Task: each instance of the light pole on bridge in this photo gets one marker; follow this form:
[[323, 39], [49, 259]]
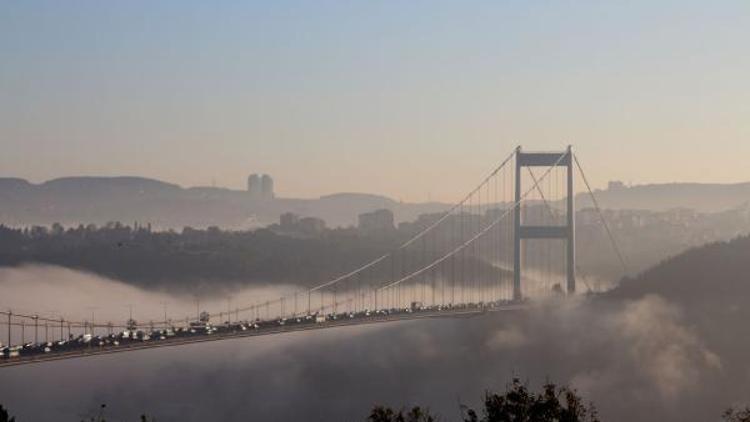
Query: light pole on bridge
[[164, 305], [229, 309], [36, 329], [10, 316]]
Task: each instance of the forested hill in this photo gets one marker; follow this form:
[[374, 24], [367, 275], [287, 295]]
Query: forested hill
[[709, 288], [715, 271], [172, 260], [210, 258]]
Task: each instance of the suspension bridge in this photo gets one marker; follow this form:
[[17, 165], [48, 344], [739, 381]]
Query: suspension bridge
[[508, 241]]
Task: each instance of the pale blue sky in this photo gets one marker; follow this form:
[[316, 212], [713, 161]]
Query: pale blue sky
[[398, 98]]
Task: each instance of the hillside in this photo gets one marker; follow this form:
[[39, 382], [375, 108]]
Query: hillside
[[710, 285], [98, 200], [211, 259], [703, 197], [717, 271]]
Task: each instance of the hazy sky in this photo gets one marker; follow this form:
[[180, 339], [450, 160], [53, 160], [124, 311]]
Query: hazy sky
[[400, 98]]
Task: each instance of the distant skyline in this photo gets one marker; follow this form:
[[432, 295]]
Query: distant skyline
[[405, 99]]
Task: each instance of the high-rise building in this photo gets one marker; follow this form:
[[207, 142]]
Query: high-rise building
[[260, 186], [253, 186], [266, 184]]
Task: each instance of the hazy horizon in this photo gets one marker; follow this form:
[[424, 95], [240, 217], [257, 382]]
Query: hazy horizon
[[324, 96], [579, 187]]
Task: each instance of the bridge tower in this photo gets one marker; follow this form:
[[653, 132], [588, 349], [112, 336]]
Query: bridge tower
[[566, 232]]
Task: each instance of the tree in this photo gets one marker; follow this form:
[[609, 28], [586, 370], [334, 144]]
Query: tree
[[4, 416], [518, 404], [731, 415], [386, 414]]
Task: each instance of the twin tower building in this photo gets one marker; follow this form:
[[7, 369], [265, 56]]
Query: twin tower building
[[260, 186]]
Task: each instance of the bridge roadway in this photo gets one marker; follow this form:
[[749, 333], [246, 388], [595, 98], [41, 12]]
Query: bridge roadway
[[179, 341]]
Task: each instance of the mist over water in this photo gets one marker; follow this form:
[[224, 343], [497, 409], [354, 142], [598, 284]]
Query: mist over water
[[636, 360], [55, 291]]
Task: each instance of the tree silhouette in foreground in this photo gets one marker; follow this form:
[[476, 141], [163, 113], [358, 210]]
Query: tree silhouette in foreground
[[101, 418], [731, 415], [4, 416], [516, 404], [519, 404], [386, 414]]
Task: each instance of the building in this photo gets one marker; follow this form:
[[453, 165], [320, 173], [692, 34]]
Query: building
[[376, 221], [288, 220], [291, 224], [266, 187], [311, 226], [253, 185], [260, 186]]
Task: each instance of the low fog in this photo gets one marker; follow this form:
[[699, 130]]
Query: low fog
[[636, 359], [54, 291]]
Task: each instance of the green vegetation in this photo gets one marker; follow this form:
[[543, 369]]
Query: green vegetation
[[519, 404], [168, 259], [516, 404], [196, 258]]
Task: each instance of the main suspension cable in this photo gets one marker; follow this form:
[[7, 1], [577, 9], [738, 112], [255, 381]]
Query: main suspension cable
[[601, 216]]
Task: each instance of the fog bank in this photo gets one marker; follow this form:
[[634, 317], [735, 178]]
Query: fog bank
[[637, 360]]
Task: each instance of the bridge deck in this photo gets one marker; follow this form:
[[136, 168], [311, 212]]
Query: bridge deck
[[179, 341]]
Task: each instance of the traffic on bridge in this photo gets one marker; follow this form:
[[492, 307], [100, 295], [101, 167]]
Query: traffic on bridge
[[134, 337]]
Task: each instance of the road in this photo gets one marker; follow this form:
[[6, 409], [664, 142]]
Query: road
[[179, 341]]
